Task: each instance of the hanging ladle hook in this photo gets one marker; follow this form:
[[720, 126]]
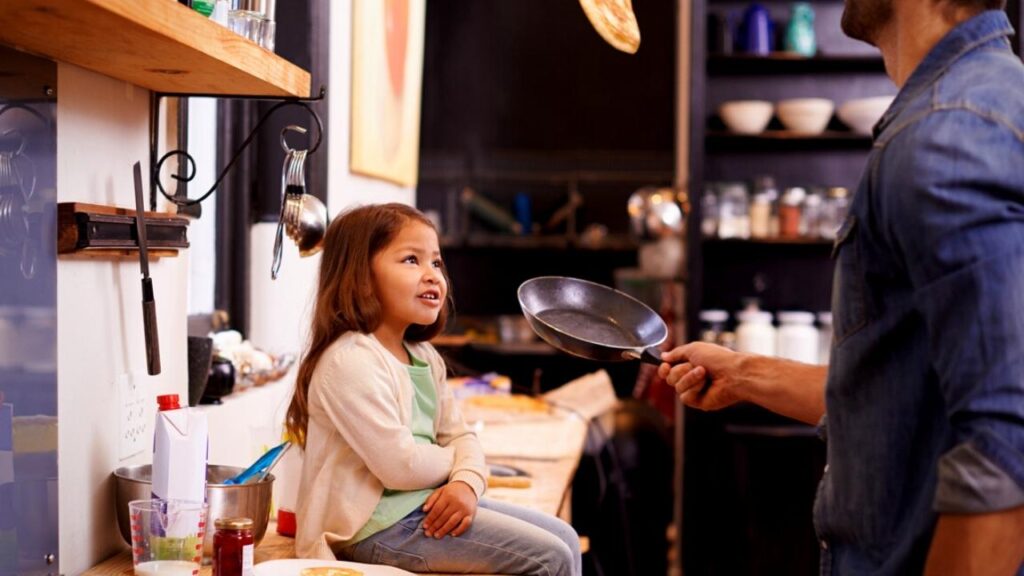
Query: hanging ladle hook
[[284, 132]]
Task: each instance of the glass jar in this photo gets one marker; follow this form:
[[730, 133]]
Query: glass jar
[[713, 325], [733, 211], [233, 547], [254, 20], [789, 212], [760, 215], [834, 211], [709, 213], [810, 213], [762, 207]]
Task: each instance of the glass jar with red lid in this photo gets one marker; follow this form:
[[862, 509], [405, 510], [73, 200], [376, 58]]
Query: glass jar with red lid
[[233, 547]]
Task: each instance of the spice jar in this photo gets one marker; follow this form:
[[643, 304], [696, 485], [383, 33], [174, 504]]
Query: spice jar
[[233, 547], [789, 212]]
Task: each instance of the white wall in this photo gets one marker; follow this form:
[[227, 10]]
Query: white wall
[[279, 314], [102, 129], [202, 144]]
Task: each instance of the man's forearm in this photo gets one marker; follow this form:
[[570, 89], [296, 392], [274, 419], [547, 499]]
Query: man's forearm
[[789, 388], [978, 544]]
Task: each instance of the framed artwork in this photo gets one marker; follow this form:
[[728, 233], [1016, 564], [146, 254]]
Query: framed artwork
[[387, 75]]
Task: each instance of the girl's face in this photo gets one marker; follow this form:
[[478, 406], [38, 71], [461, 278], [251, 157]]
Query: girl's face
[[408, 278]]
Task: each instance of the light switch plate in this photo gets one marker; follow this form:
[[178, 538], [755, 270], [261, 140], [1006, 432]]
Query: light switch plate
[[133, 400]]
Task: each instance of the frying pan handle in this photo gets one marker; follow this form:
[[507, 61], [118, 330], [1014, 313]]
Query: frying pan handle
[[647, 355]]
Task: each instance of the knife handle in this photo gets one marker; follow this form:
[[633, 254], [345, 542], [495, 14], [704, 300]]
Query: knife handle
[[149, 325]]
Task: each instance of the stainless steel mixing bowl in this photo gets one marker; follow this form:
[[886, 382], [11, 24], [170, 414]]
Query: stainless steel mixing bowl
[[249, 500]]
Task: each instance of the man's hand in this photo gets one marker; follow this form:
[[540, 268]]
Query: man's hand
[[709, 377], [450, 510], [705, 376]]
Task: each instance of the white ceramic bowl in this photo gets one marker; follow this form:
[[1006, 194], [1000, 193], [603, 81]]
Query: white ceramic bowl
[[862, 114], [805, 115], [746, 116]]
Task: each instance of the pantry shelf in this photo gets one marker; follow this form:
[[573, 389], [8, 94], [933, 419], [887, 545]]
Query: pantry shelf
[[157, 44]]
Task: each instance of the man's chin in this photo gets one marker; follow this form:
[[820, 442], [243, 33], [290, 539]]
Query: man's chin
[[854, 28]]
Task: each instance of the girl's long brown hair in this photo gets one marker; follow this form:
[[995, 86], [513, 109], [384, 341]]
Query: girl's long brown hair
[[346, 298]]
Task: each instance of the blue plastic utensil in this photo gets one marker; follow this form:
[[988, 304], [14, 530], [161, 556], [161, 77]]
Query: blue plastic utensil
[[259, 470]]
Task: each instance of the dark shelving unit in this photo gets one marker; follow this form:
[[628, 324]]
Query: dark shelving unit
[[783, 140], [783, 63], [750, 476]]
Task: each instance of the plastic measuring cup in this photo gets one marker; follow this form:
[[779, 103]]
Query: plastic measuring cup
[[167, 537]]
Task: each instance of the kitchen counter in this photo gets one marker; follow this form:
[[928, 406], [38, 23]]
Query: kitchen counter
[[519, 439]]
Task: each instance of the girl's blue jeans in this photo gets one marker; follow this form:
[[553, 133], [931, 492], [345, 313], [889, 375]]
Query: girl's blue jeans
[[503, 539]]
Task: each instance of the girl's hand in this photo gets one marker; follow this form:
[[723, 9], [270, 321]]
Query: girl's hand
[[450, 510]]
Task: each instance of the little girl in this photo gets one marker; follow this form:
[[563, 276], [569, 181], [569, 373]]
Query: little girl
[[390, 467]]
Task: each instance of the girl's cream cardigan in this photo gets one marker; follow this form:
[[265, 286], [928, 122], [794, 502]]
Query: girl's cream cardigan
[[359, 441]]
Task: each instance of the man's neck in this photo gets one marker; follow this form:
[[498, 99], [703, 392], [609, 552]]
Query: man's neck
[[916, 27]]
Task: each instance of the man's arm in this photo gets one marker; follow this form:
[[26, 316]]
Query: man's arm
[[709, 377], [978, 544], [953, 214]]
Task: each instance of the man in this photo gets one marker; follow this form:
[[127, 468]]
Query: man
[[923, 408]]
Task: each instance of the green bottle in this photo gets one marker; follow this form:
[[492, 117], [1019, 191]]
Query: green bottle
[[800, 31], [204, 7]]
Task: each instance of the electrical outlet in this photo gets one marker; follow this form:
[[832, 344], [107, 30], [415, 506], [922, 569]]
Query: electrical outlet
[[134, 403]]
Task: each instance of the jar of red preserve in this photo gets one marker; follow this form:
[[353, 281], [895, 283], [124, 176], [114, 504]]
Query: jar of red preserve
[[233, 547]]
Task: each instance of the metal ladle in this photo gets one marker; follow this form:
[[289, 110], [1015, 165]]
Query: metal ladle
[[303, 216]]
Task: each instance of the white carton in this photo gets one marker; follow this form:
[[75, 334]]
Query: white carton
[[180, 449]]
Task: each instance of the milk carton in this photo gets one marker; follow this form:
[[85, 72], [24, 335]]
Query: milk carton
[[180, 448]]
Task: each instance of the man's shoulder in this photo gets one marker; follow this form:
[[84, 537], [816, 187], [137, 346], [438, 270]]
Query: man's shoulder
[[986, 83]]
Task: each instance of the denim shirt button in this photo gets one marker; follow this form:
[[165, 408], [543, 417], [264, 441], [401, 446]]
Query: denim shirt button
[[824, 544]]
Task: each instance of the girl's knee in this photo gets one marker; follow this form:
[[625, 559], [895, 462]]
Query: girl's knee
[[561, 559]]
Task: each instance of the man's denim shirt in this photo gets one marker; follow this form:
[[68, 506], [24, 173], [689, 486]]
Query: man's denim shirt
[[925, 394]]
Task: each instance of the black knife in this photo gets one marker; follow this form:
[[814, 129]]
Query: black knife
[[148, 302]]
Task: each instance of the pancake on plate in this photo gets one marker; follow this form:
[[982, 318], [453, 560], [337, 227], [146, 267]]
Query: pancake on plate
[[330, 571]]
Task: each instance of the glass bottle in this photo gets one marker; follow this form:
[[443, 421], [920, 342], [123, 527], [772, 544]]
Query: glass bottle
[[789, 212], [734, 211], [810, 215], [233, 545], [837, 205], [709, 212], [713, 325]]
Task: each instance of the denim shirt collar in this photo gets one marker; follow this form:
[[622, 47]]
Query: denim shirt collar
[[989, 26]]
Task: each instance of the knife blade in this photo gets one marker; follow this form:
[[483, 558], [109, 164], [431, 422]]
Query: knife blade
[[148, 299]]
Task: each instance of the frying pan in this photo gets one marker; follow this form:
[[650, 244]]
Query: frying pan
[[591, 320]]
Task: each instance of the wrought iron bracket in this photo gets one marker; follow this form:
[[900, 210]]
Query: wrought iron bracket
[[156, 162]]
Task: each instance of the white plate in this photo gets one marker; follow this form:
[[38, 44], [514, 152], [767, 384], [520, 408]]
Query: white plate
[[293, 567]]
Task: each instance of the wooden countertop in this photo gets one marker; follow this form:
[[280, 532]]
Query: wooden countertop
[[551, 477]]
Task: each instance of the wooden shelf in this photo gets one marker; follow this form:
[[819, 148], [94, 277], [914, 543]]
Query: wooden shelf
[[784, 140], [157, 44], [783, 63]]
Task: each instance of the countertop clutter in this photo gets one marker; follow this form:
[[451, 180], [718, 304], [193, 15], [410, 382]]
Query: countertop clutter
[[516, 432]]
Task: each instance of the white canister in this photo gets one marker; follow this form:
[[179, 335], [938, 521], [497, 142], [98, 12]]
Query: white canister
[[798, 338], [755, 333], [824, 337]]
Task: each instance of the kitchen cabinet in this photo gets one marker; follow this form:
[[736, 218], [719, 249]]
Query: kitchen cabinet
[[750, 476]]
